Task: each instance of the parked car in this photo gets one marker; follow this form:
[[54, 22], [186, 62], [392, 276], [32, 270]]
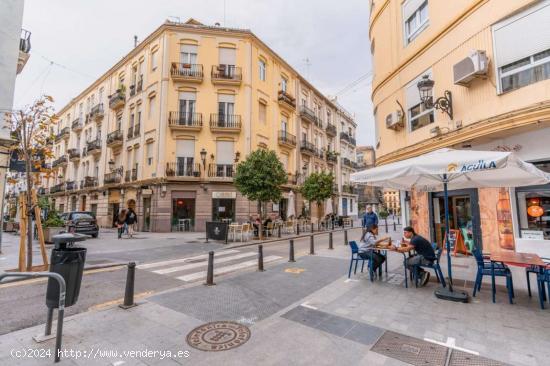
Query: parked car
[[81, 222]]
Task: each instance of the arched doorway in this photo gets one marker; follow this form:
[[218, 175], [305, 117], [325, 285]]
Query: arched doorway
[[73, 203]]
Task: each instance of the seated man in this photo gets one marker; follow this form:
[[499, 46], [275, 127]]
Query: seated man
[[367, 244], [425, 254]]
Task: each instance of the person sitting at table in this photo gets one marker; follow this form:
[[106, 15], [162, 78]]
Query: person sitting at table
[[367, 244], [256, 225], [425, 254]]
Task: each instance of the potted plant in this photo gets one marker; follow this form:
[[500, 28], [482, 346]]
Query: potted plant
[[53, 225]]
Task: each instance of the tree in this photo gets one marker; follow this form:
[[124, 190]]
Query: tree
[[259, 178], [318, 188], [32, 128]]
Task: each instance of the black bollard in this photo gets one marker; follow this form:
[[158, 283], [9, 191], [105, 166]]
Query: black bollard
[[291, 251], [330, 240], [311, 245], [394, 226], [386, 225], [210, 270], [345, 237], [312, 227], [260, 258], [351, 222], [332, 224], [298, 229], [279, 231], [398, 221], [129, 292]]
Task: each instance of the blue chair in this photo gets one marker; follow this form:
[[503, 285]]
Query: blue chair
[[356, 258], [543, 278], [435, 266], [536, 270], [484, 269]]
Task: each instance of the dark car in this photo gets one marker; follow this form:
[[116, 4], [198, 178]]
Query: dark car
[[81, 222]]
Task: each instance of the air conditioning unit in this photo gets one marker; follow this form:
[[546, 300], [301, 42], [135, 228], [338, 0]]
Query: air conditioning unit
[[394, 121], [475, 65]]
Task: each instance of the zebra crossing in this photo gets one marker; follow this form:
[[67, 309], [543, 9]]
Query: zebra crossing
[[190, 269]]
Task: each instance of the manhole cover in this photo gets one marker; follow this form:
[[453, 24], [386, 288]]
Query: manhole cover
[[410, 350], [459, 358], [218, 336]]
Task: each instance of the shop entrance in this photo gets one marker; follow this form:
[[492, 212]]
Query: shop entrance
[[115, 207], [183, 214], [223, 209], [283, 207], [146, 214], [83, 204], [463, 216]]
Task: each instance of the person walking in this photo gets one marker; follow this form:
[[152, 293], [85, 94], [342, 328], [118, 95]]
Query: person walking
[[131, 220], [370, 218], [121, 222]]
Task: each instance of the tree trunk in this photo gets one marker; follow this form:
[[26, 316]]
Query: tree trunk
[[261, 226], [29, 216]]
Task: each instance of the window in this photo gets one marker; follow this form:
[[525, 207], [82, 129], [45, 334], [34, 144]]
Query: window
[[261, 65], [284, 124], [417, 114], [186, 108], [262, 115], [415, 16], [522, 48], [154, 61], [119, 121], [188, 54], [152, 107], [284, 84], [226, 108], [185, 154], [149, 148], [225, 153]]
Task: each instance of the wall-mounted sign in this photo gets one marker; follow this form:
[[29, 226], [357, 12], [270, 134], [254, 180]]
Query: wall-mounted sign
[[532, 234], [146, 192], [224, 195]]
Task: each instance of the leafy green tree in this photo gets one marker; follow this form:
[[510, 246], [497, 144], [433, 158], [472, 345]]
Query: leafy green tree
[[318, 188], [259, 178]]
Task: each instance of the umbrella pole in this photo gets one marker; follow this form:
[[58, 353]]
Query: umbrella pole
[[447, 293]]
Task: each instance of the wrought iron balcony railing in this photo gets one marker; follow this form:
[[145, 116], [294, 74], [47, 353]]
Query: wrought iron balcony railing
[[331, 129], [307, 147], [115, 138], [186, 71], [221, 170], [226, 73], [284, 97], [113, 177], [286, 138], [180, 169], [225, 121], [185, 119]]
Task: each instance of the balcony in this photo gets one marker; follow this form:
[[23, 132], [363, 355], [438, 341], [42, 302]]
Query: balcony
[[347, 162], [308, 148], [286, 139], [139, 86], [291, 179], [286, 100], [179, 169], [347, 188], [223, 171], [331, 129], [225, 123], [24, 49], [93, 147], [344, 136], [74, 154], [130, 175], [97, 113], [57, 188], [133, 131], [114, 177], [137, 129], [187, 72], [332, 157], [61, 161], [184, 121], [42, 191], [71, 185], [352, 141], [77, 125], [115, 139], [226, 75], [88, 182], [64, 134], [117, 100]]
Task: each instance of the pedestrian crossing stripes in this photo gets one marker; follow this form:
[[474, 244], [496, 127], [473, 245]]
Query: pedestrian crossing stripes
[[189, 269]]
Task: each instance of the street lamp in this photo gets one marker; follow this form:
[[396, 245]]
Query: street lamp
[[237, 157], [203, 158], [445, 103]]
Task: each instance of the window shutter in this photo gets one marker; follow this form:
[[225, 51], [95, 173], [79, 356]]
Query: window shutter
[[412, 95], [185, 148], [226, 98], [187, 96], [224, 152], [522, 35], [410, 7], [188, 48], [227, 56]]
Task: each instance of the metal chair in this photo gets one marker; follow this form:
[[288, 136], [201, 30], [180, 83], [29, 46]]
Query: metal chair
[[356, 258], [536, 270], [484, 269], [543, 277], [435, 266]]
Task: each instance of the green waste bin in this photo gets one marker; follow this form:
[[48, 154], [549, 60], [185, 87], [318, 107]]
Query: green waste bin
[[68, 261]]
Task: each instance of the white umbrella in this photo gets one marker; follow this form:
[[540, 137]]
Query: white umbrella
[[445, 169], [290, 210], [328, 206]]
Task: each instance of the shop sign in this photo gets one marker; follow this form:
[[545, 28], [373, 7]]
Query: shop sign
[[532, 234], [146, 192], [224, 195]]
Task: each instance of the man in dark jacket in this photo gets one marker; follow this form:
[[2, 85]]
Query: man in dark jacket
[[369, 218]]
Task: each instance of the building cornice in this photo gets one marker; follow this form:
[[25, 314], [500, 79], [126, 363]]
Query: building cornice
[[374, 18], [519, 118]]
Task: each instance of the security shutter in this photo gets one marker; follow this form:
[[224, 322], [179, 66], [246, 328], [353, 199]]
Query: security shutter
[[227, 56], [226, 98], [522, 35], [185, 148], [224, 152], [188, 48], [187, 96], [409, 7]]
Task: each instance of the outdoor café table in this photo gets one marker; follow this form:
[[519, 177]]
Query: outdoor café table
[[513, 259], [233, 230], [403, 250]]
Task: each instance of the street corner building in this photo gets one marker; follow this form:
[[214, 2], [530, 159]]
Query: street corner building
[[466, 75], [163, 130]]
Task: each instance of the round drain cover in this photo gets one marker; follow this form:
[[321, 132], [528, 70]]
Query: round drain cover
[[218, 336]]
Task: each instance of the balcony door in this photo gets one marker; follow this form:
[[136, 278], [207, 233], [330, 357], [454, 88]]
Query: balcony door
[[188, 59], [226, 109], [225, 154], [284, 125], [186, 108], [228, 57], [185, 152]]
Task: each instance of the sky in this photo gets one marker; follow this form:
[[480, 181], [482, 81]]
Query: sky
[[76, 41]]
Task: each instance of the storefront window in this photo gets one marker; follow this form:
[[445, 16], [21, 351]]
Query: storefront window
[[534, 208], [183, 213], [223, 209]]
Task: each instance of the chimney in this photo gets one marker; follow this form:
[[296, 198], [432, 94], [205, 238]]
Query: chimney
[[135, 41]]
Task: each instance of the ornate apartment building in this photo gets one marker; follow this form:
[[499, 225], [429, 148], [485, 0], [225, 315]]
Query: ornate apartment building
[[472, 74], [163, 130]]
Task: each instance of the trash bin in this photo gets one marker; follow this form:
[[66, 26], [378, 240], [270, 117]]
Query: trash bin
[[68, 261]]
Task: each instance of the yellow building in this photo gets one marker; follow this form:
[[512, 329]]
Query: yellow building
[[163, 129], [392, 201], [489, 60]]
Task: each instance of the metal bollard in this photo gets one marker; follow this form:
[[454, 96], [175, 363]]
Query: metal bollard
[[330, 240], [386, 225], [311, 245], [345, 237], [398, 221], [394, 226], [332, 224], [291, 251], [260, 258], [297, 229], [129, 293], [312, 227], [210, 270], [279, 231], [351, 222]]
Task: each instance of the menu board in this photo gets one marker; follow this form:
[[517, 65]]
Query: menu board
[[532, 234]]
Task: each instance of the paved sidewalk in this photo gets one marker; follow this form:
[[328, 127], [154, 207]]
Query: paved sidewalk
[[308, 312]]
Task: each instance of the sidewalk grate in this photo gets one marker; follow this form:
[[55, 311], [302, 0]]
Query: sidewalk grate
[[410, 350], [459, 358]]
